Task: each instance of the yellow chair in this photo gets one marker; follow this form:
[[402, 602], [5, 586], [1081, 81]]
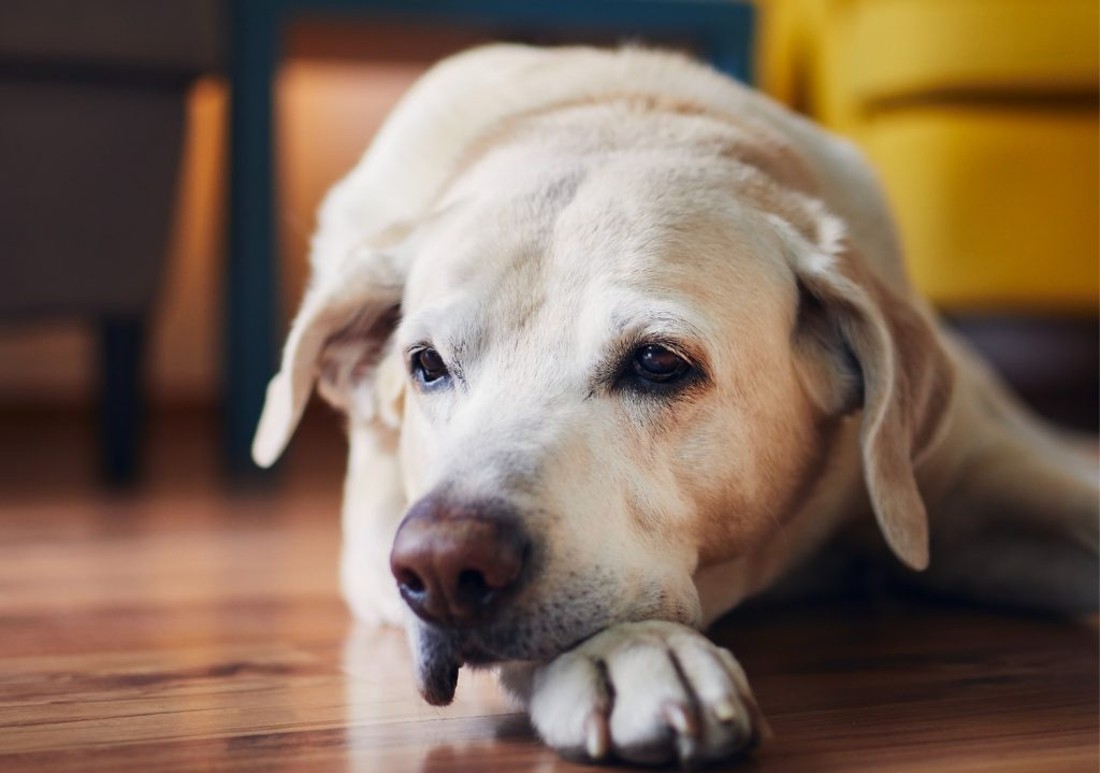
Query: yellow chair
[[981, 117]]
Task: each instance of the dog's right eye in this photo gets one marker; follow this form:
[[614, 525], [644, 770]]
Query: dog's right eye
[[428, 365]]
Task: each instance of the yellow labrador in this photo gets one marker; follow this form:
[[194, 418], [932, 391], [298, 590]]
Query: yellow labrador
[[622, 343]]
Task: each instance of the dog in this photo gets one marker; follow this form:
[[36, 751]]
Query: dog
[[622, 343]]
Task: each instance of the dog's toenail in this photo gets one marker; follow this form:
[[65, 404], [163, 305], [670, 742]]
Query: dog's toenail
[[596, 736]]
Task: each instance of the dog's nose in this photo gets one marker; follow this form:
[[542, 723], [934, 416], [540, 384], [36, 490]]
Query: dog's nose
[[457, 564]]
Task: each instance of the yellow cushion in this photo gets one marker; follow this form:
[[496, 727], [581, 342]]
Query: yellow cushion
[[913, 49], [997, 206], [981, 116]]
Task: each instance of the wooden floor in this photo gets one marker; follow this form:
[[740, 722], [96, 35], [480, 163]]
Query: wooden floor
[[187, 628]]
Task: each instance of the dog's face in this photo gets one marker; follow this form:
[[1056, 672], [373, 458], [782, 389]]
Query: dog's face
[[609, 372], [604, 356]]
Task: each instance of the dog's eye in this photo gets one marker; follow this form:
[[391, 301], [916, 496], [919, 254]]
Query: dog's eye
[[657, 364], [428, 365]]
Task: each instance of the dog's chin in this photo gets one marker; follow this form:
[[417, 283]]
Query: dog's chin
[[437, 664], [440, 653]]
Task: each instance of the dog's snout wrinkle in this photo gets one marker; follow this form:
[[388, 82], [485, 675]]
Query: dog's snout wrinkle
[[456, 565]]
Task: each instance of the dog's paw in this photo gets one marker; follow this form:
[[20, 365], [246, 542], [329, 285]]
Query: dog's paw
[[651, 693]]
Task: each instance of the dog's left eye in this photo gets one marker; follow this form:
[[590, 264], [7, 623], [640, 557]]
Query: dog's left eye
[[428, 365], [659, 365]]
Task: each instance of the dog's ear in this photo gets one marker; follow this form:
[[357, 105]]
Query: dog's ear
[[875, 349], [339, 335]]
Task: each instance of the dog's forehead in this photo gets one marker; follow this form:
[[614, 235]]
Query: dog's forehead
[[638, 217], [570, 256]]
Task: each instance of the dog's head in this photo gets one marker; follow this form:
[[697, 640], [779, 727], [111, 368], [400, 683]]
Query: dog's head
[[608, 370]]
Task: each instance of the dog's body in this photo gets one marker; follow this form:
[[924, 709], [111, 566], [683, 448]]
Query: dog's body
[[648, 336]]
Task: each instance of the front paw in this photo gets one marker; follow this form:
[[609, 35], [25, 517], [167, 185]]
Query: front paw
[[651, 693]]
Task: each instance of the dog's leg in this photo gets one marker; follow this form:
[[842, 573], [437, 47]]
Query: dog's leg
[[651, 692], [374, 502], [1019, 521]]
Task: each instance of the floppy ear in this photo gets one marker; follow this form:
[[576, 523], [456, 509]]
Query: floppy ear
[[338, 336], [880, 352]]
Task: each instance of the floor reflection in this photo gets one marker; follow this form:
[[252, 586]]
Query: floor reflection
[[389, 727]]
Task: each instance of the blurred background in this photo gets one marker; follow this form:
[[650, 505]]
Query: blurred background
[[981, 115]]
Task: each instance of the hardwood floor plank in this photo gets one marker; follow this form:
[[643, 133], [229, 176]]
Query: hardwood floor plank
[[188, 628]]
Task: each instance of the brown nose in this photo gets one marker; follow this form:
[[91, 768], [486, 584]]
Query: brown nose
[[455, 564]]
